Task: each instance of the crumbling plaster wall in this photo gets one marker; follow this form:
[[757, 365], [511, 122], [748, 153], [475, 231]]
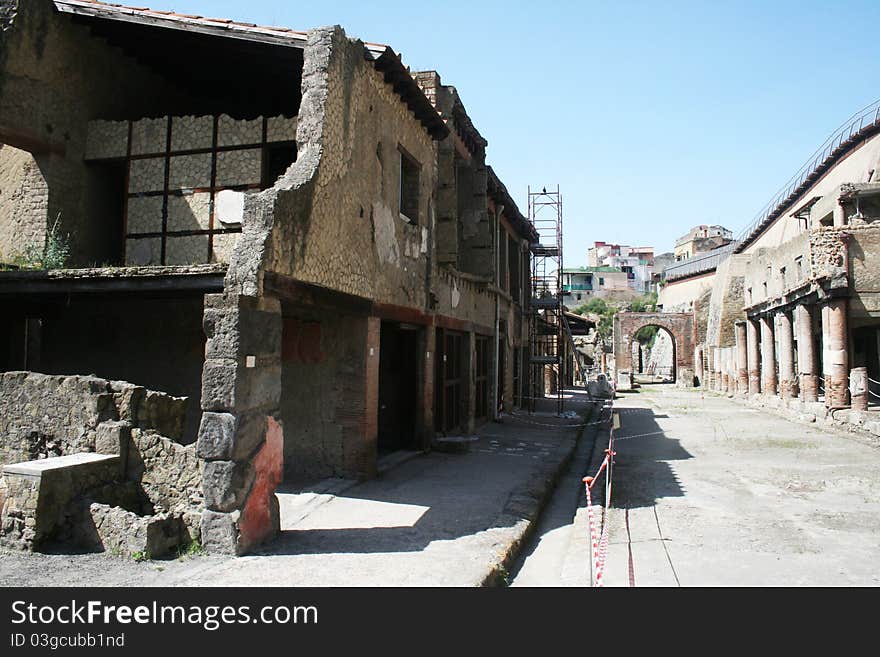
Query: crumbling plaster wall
[[54, 78], [337, 222]]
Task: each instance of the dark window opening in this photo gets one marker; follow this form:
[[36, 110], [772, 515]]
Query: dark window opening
[[277, 159], [409, 187]]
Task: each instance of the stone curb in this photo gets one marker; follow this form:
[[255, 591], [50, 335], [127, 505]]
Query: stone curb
[[526, 502]]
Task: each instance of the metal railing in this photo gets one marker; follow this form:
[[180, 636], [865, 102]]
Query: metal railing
[[864, 118], [698, 264]]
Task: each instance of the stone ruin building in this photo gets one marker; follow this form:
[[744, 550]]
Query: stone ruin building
[[287, 256], [788, 314]]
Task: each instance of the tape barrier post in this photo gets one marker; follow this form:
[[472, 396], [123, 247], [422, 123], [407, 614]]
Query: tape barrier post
[[599, 541]]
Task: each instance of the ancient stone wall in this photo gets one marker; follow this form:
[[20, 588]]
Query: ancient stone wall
[[864, 254], [49, 93], [337, 223], [726, 303], [24, 203], [44, 415]]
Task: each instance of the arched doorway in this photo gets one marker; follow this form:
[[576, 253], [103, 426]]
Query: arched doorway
[[653, 349], [678, 326]]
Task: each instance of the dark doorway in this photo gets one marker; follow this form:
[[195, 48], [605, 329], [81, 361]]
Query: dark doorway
[[451, 364], [398, 387]]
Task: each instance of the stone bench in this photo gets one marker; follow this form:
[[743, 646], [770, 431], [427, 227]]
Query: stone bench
[[38, 494]]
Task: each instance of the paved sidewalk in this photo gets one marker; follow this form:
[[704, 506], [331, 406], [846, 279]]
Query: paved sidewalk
[[434, 520], [708, 492]]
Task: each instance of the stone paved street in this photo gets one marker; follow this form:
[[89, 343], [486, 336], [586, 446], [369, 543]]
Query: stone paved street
[[434, 520], [709, 492]]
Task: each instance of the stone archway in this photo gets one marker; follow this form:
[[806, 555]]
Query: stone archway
[[679, 325]]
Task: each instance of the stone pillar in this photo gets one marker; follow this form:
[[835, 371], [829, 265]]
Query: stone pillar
[[753, 360], [240, 437], [807, 363], [858, 388], [787, 382], [768, 356], [836, 353], [716, 368], [742, 357], [725, 371], [708, 363]]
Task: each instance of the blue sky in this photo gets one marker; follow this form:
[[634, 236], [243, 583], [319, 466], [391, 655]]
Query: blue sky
[[652, 116]]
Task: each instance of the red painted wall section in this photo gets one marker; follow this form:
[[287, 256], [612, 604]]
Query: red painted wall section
[[259, 520], [301, 342]]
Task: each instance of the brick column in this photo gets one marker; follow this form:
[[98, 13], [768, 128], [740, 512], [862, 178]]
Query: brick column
[[807, 364], [768, 356], [742, 358], [835, 350], [240, 437], [753, 357], [787, 381]]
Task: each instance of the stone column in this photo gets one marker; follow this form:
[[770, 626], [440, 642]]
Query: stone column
[[807, 364], [725, 371], [240, 437], [709, 366], [768, 356], [716, 368], [858, 388], [787, 382], [836, 353], [753, 360], [742, 357]]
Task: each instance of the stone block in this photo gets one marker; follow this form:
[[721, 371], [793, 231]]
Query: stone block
[[224, 436], [226, 484], [127, 534], [223, 246], [40, 492], [220, 532]]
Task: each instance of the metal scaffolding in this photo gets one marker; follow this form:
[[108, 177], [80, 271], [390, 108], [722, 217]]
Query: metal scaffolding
[[546, 317]]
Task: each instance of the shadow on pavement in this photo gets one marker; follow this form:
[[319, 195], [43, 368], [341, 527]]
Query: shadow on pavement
[[437, 496], [642, 473]]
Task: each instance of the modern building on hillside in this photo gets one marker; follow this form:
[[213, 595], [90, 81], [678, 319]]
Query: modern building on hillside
[[701, 239], [636, 262], [584, 283]]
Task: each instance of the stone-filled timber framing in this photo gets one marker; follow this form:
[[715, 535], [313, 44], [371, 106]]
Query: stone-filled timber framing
[[292, 303]]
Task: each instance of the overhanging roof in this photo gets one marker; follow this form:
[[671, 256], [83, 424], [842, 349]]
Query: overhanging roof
[[384, 58]]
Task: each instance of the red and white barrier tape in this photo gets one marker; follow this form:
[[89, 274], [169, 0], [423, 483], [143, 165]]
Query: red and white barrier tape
[[598, 541]]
